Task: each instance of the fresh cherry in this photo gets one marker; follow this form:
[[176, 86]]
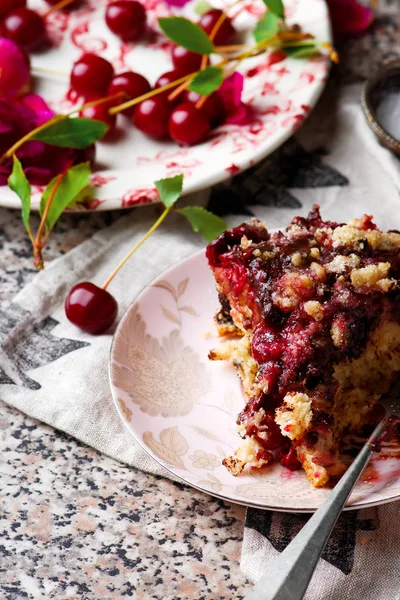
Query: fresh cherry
[[127, 19], [167, 78], [188, 125], [86, 154], [90, 308], [131, 84], [24, 27], [99, 112], [225, 33], [91, 75], [184, 60], [214, 106], [6, 6], [151, 116]]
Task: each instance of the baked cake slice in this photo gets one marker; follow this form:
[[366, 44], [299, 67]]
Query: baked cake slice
[[314, 312]]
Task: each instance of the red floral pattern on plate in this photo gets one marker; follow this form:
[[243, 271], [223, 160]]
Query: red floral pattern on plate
[[280, 91]]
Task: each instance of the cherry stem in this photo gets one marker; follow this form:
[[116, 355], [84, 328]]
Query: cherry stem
[[49, 71], [179, 90], [231, 48], [116, 109], [217, 25], [60, 5], [38, 245], [155, 225], [52, 121]]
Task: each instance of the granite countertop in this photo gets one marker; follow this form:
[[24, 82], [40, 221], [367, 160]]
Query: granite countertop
[[75, 524]]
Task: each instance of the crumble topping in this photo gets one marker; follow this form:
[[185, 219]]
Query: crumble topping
[[315, 309], [370, 275]]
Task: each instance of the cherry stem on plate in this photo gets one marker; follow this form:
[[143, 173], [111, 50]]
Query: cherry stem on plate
[[116, 109], [59, 6], [38, 244], [155, 225]]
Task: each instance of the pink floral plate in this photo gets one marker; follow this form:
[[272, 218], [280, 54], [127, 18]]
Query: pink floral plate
[[281, 93], [182, 408]]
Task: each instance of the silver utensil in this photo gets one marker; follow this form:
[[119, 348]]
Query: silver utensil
[[293, 569]]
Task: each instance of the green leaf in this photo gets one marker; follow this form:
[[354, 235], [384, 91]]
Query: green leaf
[[74, 181], [169, 189], [276, 6], [203, 221], [202, 6], [304, 51], [187, 34], [20, 185], [207, 81], [72, 133], [266, 27]]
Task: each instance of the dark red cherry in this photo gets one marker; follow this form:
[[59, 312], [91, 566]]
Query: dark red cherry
[[225, 33], [131, 84], [24, 27], [184, 60], [188, 125], [86, 154], [91, 75], [90, 308], [99, 112], [6, 6], [127, 19], [167, 78], [214, 106], [151, 116]]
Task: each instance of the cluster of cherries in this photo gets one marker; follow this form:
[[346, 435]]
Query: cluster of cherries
[[27, 28], [160, 116]]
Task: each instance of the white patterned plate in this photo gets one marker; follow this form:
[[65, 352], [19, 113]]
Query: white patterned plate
[[281, 94], [182, 408]]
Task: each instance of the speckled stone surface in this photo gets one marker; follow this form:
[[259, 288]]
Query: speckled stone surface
[[77, 525]]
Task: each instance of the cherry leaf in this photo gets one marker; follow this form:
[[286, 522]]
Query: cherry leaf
[[203, 221], [169, 189], [207, 81], [187, 34], [20, 185], [74, 181], [72, 133], [276, 6], [266, 27], [303, 51]]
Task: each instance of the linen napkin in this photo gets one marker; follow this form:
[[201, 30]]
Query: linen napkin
[[54, 372]]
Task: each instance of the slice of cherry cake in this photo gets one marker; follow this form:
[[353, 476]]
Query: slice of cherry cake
[[315, 314]]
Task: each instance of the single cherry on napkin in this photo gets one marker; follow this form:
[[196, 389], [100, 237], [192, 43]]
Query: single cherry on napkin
[[90, 307]]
